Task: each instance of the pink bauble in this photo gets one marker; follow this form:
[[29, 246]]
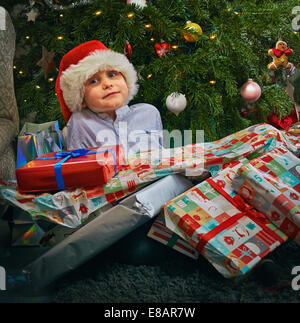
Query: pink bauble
[[250, 91]]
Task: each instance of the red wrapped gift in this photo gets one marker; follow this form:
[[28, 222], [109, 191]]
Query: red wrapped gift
[[71, 169], [286, 122]]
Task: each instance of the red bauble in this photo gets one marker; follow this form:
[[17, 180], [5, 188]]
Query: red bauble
[[162, 48], [127, 50], [244, 113], [251, 91]]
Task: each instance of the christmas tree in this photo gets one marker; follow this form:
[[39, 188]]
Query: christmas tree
[[207, 60]]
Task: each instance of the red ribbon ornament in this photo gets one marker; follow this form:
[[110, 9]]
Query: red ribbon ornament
[[162, 48], [128, 50]]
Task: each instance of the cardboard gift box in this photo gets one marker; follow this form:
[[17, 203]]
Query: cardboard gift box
[[227, 231], [71, 169], [271, 183]]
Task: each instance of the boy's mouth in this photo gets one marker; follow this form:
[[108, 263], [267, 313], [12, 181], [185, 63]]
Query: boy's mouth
[[110, 94]]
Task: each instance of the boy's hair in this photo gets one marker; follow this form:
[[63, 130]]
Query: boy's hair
[[82, 62]]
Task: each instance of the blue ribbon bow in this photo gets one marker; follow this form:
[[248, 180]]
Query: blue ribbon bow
[[72, 154]]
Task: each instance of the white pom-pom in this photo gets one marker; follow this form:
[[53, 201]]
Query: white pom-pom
[[176, 102], [138, 3]]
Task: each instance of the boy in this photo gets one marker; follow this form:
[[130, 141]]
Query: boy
[[94, 86]]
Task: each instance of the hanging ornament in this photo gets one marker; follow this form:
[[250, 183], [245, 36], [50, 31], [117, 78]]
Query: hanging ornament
[[34, 2], [280, 56], [176, 103], [46, 62], [244, 112], [162, 48], [250, 91], [31, 15], [66, 4], [128, 50], [138, 3], [192, 32]]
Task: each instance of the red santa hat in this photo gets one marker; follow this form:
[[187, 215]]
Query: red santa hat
[[82, 62]]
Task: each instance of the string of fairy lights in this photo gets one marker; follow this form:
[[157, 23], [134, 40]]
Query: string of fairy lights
[[211, 33], [130, 15]]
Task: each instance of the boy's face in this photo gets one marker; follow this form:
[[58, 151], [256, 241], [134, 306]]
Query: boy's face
[[105, 91]]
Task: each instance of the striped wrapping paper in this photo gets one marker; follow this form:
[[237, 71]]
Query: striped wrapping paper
[[161, 233]]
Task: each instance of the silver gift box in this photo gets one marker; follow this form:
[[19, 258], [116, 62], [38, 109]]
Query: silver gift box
[[105, 230]]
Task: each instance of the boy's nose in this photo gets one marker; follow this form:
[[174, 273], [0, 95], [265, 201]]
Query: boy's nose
[[106, 83]]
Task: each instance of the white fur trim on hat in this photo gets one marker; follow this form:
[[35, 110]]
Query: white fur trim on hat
[[74, 77]]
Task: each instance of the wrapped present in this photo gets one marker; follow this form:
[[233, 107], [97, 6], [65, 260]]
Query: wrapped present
[[59, 233], [227, 231], [285, 122], [25, 235], [271, 183], [71, 207], [24, 231], [295, 129], [71, 169], [35, 140], [104, 229], [249, 142], [161, 233]]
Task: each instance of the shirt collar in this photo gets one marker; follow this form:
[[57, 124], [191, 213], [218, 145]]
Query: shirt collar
[[121, 112]]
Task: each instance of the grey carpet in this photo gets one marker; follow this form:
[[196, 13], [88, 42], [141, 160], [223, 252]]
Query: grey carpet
[[138, 269], [164, 276]]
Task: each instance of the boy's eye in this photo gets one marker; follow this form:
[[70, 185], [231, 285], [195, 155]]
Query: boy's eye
[[93, 81], [111, 74]]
